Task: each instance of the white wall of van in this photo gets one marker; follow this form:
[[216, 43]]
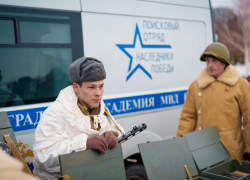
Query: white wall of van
[[186, 28], [150, 50]]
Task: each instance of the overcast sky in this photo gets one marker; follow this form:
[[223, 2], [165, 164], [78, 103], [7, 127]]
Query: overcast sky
[[222, 3]]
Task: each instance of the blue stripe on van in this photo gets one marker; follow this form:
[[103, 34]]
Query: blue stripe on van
[[145, 102], [25, 119], [28, 119]]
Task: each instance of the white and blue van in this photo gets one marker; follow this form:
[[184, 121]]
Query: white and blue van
[[150, 50]]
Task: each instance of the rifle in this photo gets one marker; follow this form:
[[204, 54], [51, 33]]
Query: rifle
[[132, 133]]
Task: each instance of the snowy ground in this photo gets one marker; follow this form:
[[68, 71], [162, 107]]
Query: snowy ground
[[241, 68]]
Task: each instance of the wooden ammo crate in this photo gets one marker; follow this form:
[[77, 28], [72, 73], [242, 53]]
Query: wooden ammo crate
[[6, 128], [217, 172], [200, 178], [91, 165], [166, 159], [207, 150]]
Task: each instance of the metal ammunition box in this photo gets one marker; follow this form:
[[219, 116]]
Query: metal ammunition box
[[207, 150], [91, 164], [217, 172], [201, 149], [166, 159]]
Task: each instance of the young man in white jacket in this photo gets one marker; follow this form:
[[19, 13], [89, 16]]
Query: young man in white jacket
[[77, 120]]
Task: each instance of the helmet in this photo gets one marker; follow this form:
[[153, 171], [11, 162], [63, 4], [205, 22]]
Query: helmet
[[218, 51]]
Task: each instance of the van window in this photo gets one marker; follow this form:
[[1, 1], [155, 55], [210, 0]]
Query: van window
[[36, 69], [36, 32], [7, 31]]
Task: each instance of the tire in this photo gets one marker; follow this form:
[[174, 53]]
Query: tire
[[136, 172]]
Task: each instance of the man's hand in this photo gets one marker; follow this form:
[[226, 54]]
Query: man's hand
[[97, 142], [111, 139]]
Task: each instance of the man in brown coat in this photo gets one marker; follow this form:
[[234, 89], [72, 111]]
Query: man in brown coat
[[219, 97]]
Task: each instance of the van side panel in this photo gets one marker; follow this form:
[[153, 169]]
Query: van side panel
[[151, 57], [144, 54], [72, 5], [194, 3], [166, 9]]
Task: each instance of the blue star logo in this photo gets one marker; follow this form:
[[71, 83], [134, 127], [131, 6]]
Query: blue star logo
[[137, 36]]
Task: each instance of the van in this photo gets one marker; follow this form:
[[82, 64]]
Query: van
[[150, 50]]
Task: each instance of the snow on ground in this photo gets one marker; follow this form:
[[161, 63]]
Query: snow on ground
[[242, 69]]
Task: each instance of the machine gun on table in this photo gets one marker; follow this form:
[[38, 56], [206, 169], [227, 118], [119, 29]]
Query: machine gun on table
[[132, 133]]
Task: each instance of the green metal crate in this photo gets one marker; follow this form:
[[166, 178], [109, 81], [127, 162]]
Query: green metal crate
[[217, 172], [91, 164], [206, 147], [200, 178], [166, 159], [207, 150]]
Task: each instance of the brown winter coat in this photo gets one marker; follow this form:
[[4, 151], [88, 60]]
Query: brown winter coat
[[11, 169], [222, 103]]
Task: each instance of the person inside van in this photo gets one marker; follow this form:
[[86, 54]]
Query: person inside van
[[7, 97], [76, 120], [219, 97]]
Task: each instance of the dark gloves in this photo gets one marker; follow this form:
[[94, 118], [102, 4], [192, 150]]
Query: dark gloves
[[101, 143], [246, 156], [97, 142], [111, 139]]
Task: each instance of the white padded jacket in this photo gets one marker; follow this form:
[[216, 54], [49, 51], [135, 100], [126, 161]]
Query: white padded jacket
[[63, 128]]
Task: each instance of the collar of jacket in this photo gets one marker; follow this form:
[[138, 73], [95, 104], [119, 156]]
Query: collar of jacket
[[230, 77], [68, 98], [88, 111]]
